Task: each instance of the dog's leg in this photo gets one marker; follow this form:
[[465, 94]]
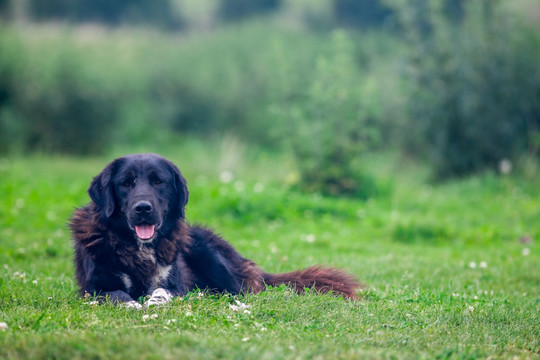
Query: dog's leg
[[159, 296]]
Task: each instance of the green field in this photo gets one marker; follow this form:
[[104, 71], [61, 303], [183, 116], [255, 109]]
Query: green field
[[451, 270]]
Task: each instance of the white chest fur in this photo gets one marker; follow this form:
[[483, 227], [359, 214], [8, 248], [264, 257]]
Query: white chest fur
[[147, 254], [160, 277]]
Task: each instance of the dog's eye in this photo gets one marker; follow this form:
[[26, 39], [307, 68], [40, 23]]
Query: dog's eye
[[157, 181], [126, 183]]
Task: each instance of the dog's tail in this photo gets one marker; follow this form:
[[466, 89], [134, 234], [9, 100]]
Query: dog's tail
[[323, 279]]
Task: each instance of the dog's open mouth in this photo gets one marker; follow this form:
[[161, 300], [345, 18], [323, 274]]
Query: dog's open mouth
[[145, 231]]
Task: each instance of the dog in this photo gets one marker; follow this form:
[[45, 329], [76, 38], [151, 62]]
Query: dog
[[132, 241]]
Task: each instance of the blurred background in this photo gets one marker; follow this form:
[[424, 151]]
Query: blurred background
[[454, 84]]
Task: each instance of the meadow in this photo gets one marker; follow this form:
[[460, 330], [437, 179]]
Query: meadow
[[451, 270]]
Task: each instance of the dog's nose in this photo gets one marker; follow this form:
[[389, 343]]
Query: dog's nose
[[143, 207]]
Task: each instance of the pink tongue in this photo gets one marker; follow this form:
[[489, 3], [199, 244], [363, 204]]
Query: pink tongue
[[145, 231]]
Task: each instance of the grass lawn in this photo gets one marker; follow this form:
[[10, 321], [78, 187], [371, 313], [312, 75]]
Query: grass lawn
[[451, 270]]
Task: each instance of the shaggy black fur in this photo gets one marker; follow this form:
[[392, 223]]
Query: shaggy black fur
[[132, 238]]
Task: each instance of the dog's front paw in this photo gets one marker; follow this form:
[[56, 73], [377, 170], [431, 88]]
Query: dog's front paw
[[159, 296], [131, 305]]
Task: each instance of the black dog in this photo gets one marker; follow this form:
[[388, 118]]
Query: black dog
[[132, 240]]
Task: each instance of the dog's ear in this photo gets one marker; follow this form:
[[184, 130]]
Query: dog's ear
[[181, 190], [101, 190]]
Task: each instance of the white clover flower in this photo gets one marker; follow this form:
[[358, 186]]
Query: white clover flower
[[19, 203], [245, 339], [34, 282], [239, 306], [3, 326], [145, 317], [258, 188], [472, 265], [505, 166], [525, 252], [239, 186], [226, 176], [51, 216], [154, 316]]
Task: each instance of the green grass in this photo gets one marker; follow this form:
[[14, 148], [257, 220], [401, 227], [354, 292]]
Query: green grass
[[413, 248]]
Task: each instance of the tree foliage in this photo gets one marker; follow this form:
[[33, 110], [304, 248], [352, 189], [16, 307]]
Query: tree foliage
[[475, 89], [158, 12], [238, 9], [331, 122]]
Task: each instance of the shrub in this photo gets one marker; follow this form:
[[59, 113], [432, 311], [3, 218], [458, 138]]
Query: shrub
[[117, 12], [5, 9], [475, 92], [361, 13], [67, 116], [331, 122], [51, 104], [237, 9], [146, 88]]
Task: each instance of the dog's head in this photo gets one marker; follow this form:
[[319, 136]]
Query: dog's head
[[143, 192]]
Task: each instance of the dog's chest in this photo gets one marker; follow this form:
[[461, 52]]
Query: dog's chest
[[146, 255], [145, 272]]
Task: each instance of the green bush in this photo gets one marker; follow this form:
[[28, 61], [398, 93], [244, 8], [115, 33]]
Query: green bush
[[182, 108], [67, 116], [51, 103], [156, 12], [474, 99], [331, 122], [238, 9], [427, 232], [5, 9], [85, 90], [361, 13]]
